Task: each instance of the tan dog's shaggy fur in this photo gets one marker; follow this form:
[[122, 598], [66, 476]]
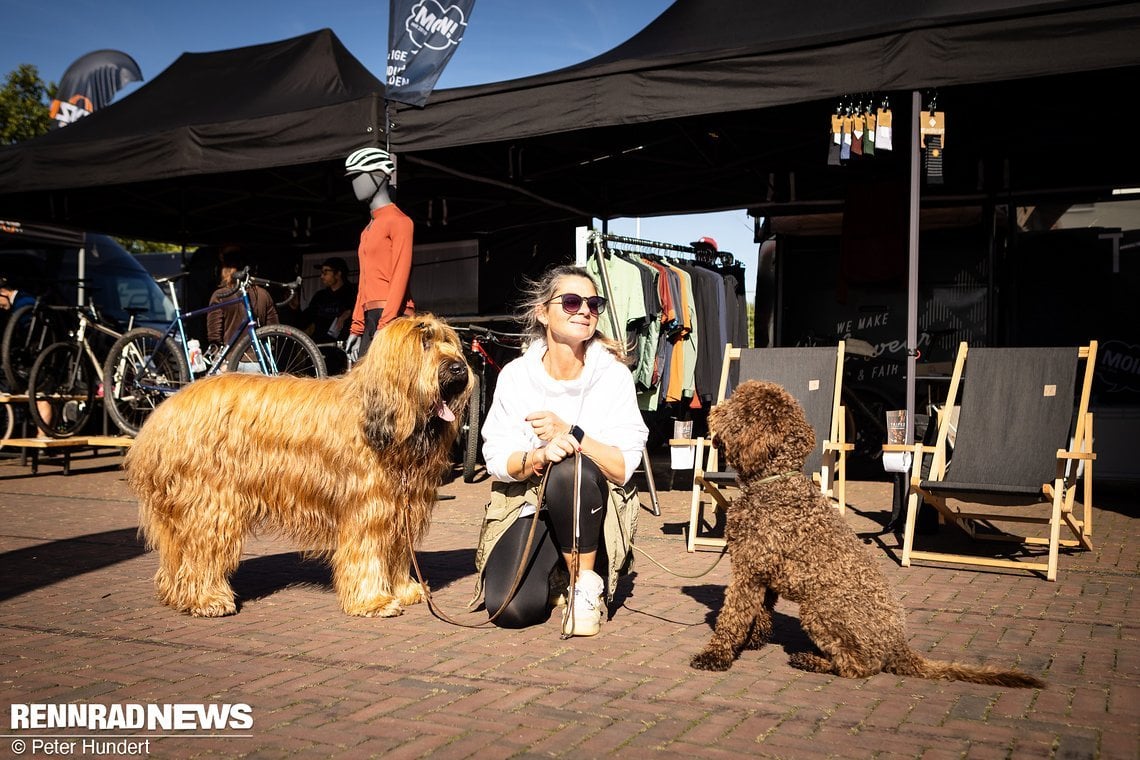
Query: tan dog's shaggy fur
[[347, 467], [785, 539]]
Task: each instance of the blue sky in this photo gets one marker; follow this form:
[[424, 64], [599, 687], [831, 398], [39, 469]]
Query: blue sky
[[505, 39]]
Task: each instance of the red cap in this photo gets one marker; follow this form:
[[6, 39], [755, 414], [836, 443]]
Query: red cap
[[707, 241]]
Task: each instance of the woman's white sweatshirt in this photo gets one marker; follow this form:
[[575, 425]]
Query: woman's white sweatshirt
[[601, 401]]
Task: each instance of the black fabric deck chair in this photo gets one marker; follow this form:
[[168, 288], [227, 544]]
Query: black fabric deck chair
[[1023, 429], [814, 377]]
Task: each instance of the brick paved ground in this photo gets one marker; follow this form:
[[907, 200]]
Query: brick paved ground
[[80, 624]]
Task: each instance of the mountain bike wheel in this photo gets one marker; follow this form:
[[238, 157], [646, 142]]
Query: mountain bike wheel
[[471, 441], [27, 333], [143, 368], [292, 351], [61, 390]]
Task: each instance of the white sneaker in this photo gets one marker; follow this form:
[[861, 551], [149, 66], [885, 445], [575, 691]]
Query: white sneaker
[[583, 616]]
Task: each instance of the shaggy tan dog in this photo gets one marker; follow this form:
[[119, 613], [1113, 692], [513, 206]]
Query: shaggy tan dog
[[346, 467], [785, 539]]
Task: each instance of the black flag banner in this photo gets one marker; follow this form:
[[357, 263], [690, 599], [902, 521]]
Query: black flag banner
[[422, 35], [91, 83]]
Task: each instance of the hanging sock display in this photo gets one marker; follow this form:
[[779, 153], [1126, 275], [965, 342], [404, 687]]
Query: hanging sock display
[[858, 129], [933, 131], [845, 148], [933, 160], [835, 145], [869, 134], [883, 139]]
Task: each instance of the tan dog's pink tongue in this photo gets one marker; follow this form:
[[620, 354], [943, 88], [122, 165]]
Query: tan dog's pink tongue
[[443, 411]]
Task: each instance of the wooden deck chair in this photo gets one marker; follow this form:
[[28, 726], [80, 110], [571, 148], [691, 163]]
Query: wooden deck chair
[[814, 377], [1021, 439]]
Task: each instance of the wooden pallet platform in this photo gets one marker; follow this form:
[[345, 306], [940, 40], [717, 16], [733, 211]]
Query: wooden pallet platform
[[64, 446]]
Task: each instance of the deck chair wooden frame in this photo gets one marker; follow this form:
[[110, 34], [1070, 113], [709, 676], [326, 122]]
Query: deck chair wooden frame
[[1055, 500], [711, 479]]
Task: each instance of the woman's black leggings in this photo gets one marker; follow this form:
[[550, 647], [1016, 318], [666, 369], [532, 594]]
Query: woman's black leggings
[[552, 536]]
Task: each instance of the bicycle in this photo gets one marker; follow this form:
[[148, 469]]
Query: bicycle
[[30, 329], [62, 388], [475, 341], [146, 365]]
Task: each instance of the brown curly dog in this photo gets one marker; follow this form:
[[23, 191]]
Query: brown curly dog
[[785, 539]]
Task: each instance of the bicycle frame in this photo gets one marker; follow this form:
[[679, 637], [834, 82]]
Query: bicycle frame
[[177, 328], [477, 347], [87, 319]]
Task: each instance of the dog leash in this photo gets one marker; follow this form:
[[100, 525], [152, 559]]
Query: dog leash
[[574, 556], [574, 553], [518, 573]]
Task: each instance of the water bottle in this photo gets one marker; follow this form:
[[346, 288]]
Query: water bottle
[[197, 363]]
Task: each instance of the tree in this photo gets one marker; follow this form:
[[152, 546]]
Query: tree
[[24, 105]]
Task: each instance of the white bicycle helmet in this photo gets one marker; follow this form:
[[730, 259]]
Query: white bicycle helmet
[[367, 160]]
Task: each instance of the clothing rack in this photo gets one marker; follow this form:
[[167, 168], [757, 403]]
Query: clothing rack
[[597, 247], [642, 247]]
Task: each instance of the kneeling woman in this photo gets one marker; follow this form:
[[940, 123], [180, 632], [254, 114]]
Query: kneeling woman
[[569, 393]]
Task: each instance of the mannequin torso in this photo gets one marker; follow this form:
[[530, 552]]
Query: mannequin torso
[[385, 257]]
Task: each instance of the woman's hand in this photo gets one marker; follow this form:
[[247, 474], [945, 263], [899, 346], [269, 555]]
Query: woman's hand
[[547, 425], [558, 449]]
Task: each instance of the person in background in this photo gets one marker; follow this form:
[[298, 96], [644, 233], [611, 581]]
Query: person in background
[[223, 324], [11, 297], [328, 317], [569, 393]]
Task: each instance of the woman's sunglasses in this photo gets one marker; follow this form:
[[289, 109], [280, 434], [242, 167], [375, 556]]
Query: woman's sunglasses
[[572, 303]]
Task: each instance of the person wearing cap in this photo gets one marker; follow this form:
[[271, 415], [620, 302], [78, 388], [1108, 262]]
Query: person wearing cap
[[385, 252], [706, 244], [329, 313]]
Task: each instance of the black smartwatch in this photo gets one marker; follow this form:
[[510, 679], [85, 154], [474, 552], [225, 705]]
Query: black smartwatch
[[577, 432]]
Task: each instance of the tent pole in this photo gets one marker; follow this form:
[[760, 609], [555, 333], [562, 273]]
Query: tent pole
[[912, 266], [387, 126]]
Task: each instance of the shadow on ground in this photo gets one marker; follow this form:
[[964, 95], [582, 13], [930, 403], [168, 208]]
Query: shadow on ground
[[261, 577], [42, 565]]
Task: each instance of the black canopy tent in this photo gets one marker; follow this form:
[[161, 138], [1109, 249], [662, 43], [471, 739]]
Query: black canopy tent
[[714, 105], [232, 145]]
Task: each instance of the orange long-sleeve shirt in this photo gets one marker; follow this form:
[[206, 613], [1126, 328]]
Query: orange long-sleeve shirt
[[385, 257]]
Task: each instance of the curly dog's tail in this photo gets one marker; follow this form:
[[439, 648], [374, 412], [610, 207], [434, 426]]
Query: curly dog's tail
[[911, 663]]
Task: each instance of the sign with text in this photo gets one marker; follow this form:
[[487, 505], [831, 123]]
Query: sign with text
[[422, 36], [90, 83]]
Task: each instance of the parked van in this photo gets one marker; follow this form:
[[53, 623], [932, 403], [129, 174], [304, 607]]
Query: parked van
[[50, 260]]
